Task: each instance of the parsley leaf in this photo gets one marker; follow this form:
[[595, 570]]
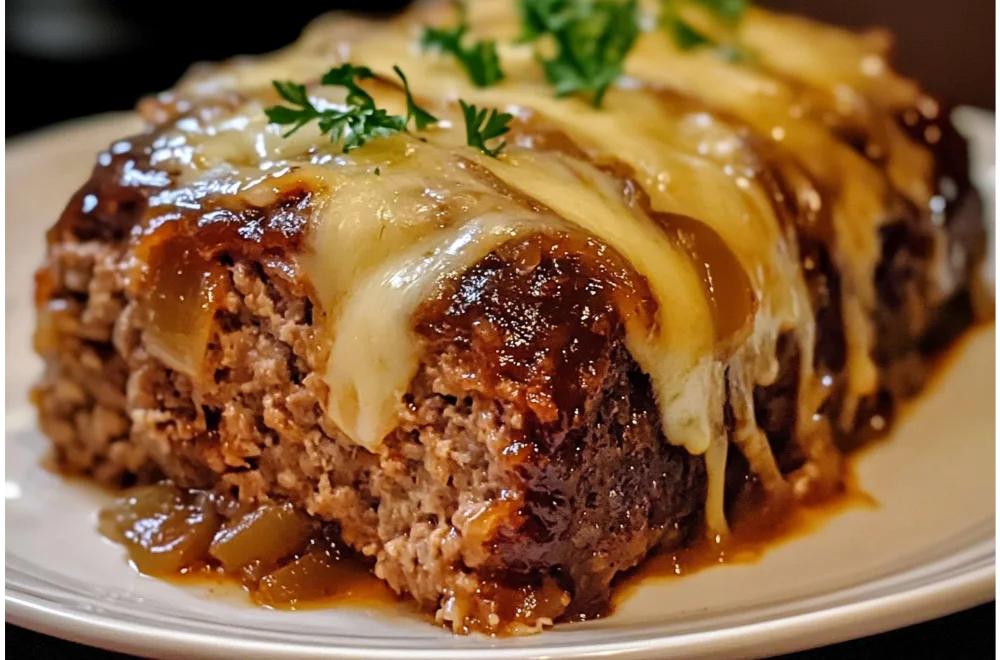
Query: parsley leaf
[[421, 118], [355, 125], [685, 36], [539, 17], [483, 125], [480, 60], [283, 115], [727, 11], [592, 39], [343, 76], [726, 14]]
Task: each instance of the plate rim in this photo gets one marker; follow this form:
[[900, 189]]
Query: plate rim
[[781, 634]]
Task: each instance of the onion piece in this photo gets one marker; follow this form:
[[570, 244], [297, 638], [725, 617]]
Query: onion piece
[[310, 577], [163, 530], [264, 535]]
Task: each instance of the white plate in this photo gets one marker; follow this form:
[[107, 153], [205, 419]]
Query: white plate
[[927, 550]]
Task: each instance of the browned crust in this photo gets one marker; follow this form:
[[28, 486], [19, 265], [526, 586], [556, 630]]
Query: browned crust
[[525, 406]]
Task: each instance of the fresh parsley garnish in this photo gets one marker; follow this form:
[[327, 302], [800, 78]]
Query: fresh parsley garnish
[[539, 17], [344, 76], [483, 125], [421, 118], [592, 38], [479, 59], [725, 14], [354, 125], [685, 36], [729, 11]]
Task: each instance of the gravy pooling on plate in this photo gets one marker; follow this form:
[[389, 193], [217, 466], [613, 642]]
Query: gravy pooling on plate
[[510, 295]]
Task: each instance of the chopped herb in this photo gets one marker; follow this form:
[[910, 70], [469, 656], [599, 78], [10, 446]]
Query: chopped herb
[[283, 115], [685, 36], [378, 171], [592, 39], [343, 76], [540, 17], [421, 118], [483, 125], [355, 125], [725, 13], [480, 59]]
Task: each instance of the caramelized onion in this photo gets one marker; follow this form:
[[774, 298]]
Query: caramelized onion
[[164, 529], [312, 576], [184, 290], [265, 535]]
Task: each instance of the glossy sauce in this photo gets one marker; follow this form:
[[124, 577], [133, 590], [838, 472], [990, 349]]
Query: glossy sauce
[[534, 320], [229, 186], [179, 275], [344, 582], [280, 556], [687, 125], [315, 570], [755, 530], [752, 534], [335, 576], [185, 289], [725, 282]]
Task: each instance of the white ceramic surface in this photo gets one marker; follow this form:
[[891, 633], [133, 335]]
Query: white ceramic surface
[[928, 548]]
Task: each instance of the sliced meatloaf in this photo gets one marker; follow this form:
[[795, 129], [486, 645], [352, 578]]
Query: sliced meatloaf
[[192, 318]]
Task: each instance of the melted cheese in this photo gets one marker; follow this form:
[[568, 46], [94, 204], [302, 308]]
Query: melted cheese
[[381, 245], [581, 195]]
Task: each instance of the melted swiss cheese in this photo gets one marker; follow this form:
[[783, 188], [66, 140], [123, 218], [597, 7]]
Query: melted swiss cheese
[[687, 126]]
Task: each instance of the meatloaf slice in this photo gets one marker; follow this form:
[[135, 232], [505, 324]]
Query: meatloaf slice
[[472, 499], [797, 255], [479, 493]]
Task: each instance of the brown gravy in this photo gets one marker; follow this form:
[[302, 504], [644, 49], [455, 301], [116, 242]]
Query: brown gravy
[[345, 577], [751, 538], [352, 584]]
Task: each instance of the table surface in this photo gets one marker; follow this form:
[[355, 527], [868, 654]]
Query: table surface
[[966, 635], [106, 66]]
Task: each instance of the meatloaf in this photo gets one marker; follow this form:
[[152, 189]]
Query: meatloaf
[[505, 379]]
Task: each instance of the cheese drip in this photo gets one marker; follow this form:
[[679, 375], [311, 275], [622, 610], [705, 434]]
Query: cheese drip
[[381, 244], [683, 124]]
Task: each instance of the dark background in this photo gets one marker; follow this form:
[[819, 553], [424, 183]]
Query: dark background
[[79, 57], [70, 58]]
